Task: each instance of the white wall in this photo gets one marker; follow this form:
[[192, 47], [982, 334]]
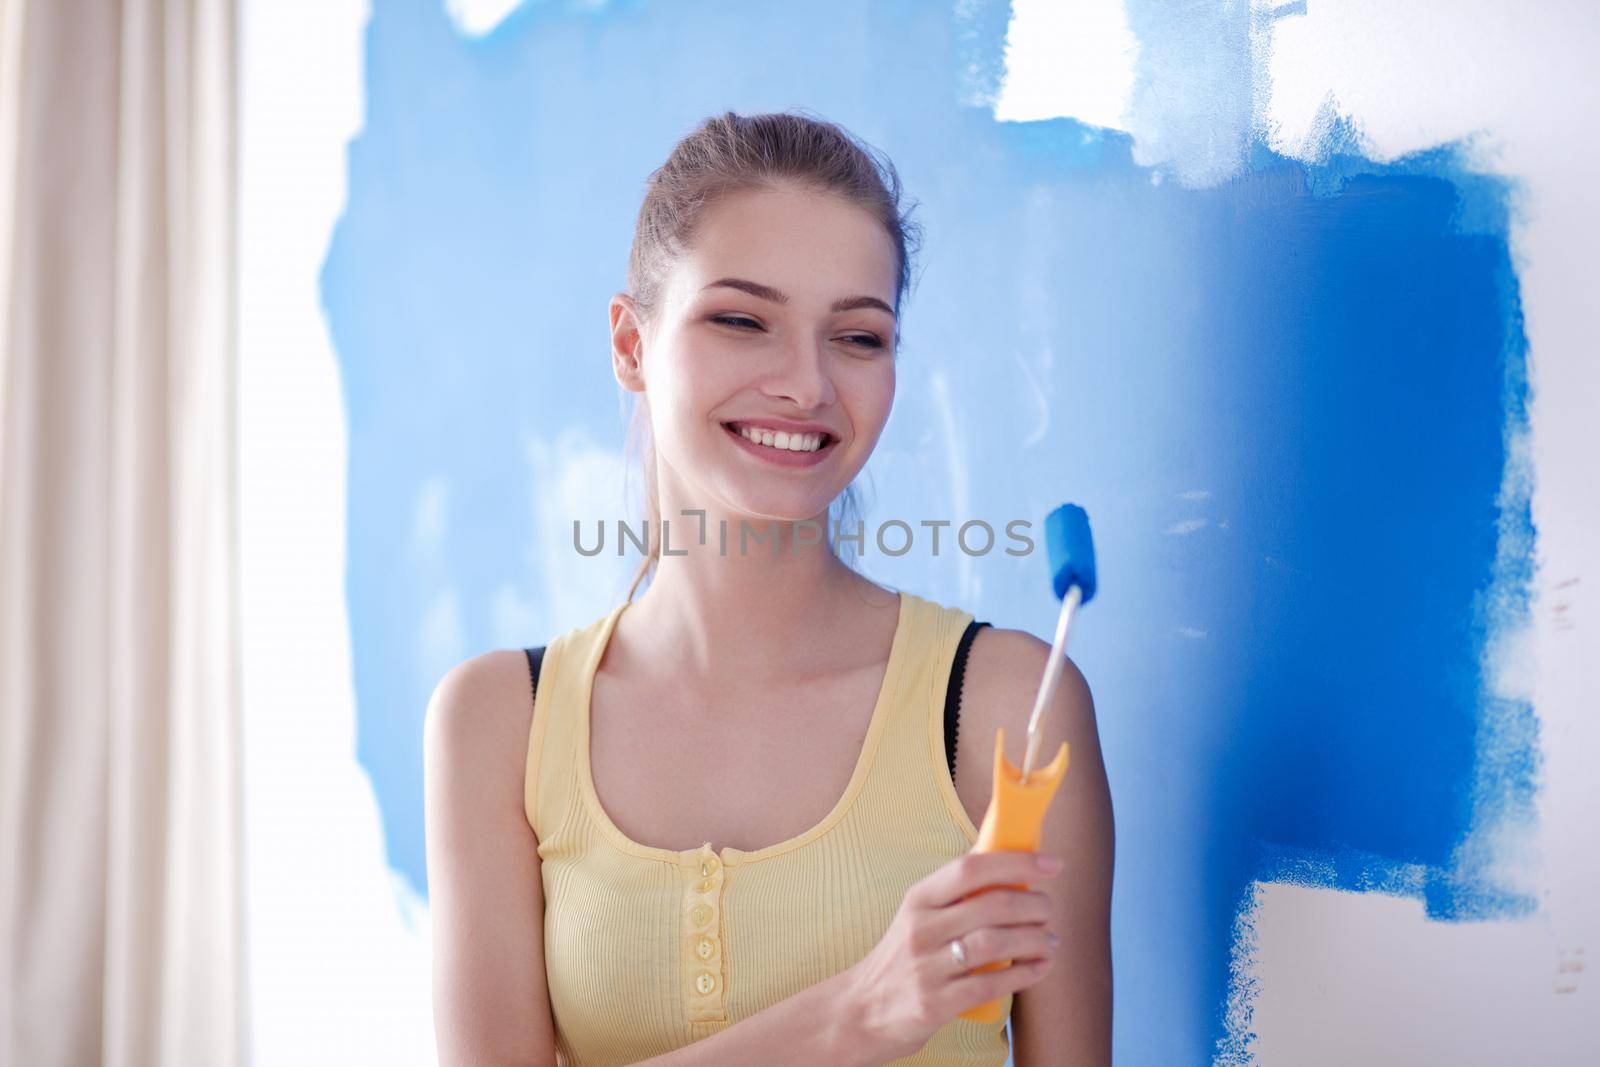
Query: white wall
[[338, 945]]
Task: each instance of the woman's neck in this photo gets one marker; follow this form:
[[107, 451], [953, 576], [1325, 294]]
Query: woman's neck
[[760, 613]]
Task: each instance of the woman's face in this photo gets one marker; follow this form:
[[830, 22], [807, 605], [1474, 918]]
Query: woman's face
[[805, 334]]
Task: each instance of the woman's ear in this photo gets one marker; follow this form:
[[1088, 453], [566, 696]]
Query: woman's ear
[[627, 344], [626, 365]]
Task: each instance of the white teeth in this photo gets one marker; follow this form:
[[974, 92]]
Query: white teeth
[[791, 442]]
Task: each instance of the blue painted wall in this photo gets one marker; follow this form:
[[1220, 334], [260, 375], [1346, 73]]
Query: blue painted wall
[[1283, 400]]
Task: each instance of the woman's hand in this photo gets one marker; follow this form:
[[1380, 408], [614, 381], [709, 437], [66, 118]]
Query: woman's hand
[[910, 984]]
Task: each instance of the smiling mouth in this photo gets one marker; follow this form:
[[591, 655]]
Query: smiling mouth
[[827, 441]]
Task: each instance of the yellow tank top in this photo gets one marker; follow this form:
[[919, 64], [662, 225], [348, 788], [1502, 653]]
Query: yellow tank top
[[649, 949]]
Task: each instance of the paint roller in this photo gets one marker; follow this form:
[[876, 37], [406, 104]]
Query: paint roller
[[1022, 795]]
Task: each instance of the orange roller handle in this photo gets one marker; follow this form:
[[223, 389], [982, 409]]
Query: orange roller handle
[[1013, 821]]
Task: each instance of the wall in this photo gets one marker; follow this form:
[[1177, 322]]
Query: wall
[[1288, 298]]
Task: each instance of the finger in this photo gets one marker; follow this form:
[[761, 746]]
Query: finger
[[998, 906], [976, 870], [974, 988], [993, 944]]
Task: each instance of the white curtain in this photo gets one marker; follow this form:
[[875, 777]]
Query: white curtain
[[120, 824]]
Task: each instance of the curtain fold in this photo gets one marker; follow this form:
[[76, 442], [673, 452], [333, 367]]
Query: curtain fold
[[121, 849]]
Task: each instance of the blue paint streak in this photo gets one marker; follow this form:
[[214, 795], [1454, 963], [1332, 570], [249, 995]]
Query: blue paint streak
[[1335, 353]]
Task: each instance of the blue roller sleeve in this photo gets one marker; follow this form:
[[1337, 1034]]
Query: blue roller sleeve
[[1071, 550]]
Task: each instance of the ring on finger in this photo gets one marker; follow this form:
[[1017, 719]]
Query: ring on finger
[[958, 952]]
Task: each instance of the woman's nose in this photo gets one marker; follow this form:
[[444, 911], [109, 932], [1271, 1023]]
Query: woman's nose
[[803, 378]]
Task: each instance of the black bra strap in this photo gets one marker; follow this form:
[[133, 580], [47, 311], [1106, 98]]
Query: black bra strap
[[535, 658], [952, 696]]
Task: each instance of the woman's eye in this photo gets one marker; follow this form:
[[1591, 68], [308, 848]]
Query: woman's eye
[[861, 340]]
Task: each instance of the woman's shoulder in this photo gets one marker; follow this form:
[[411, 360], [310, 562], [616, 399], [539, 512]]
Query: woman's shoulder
[[1004, 670], [483, 706], [493, 690], [1002, 673]]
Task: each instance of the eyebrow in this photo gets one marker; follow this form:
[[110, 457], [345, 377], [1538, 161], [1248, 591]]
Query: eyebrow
[[766, 292]]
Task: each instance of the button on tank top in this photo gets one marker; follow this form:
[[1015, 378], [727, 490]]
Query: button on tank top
[[649, 949]]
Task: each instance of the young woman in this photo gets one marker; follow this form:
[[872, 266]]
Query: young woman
[[725, 828]]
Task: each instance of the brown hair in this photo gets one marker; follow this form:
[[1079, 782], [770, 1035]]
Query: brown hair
[[732, 152]]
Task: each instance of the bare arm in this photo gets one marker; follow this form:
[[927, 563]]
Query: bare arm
[[490, 1001], [490, 998], [1065, 1018]]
